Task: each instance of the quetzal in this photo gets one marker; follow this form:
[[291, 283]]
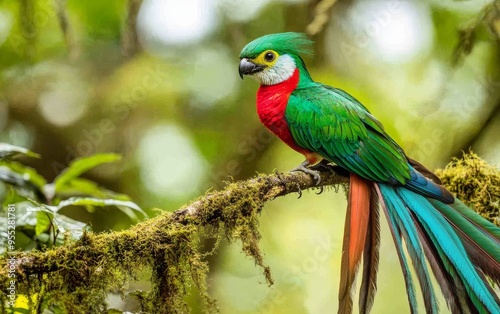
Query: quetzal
[[461, 248]]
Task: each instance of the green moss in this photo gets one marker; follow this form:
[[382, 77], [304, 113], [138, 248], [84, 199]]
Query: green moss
[[238, 218], [475, 183], [84, 272]]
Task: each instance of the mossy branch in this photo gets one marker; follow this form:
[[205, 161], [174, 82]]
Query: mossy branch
[[78, 276]]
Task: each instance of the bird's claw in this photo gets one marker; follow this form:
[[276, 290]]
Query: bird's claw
[[315, 174], [299, 190], [321, 189]]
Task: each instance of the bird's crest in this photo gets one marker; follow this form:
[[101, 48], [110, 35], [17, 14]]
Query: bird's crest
[[283, 43]]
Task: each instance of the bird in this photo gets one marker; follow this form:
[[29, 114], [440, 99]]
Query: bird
[[434, 233]]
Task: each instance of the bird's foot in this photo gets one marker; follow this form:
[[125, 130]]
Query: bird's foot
[[303, 167]]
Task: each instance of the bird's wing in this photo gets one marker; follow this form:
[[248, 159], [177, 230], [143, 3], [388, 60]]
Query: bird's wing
[[338, 127]]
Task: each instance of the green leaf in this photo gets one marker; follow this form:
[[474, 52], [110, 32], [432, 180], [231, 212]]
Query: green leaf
[[41, 207], [12, 196], [23, 241], [7, 150], [81, 165], [88, 201], [42, 222], [26, 174], [129, 212], [66, 224], [84, 187]]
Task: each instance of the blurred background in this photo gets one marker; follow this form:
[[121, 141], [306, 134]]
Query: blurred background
[[156, 81]]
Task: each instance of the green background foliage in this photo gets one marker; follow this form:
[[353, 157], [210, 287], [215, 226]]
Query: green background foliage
[[78, 78]]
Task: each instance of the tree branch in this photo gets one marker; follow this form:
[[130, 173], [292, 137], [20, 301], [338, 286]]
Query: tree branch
[[130, 40], [322, 15], [82, 273], [269, 187], [67, 30]]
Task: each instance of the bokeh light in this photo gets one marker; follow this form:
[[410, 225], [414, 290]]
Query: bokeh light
[[171, 165], [176, 22]]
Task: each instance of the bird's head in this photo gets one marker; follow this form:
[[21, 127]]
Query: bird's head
[[272, 59]]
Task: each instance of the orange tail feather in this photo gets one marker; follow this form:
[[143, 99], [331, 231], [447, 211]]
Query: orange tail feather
[[355, 231]]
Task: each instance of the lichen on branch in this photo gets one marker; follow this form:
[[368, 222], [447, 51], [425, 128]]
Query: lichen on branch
[[476, 183]]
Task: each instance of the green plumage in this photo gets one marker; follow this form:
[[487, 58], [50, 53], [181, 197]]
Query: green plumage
[[331, 122], [290, 43]]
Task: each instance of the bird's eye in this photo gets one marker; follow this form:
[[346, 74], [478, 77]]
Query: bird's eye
[[269, 56]]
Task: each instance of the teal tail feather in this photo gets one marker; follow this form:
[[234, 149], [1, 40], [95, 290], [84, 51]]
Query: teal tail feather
[[461, 248]]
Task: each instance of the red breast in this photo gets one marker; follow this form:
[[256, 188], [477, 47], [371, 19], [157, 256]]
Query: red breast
[[271, 105]]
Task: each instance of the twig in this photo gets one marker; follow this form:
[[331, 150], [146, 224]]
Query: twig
[[130, 40], [489, 17], [67, 30], [28, 27], [321, 16]]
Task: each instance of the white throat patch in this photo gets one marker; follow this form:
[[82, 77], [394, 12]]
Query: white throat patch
[[281, 71]]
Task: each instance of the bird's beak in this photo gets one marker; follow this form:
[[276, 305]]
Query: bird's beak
[[248, 67]]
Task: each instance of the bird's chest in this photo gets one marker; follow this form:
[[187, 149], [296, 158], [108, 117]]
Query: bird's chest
[[272, 101], [271, 110]]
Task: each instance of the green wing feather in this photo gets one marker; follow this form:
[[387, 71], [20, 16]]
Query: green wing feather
[[334, 124]]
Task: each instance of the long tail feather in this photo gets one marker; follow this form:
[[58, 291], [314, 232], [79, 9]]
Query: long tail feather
[[355, 231], [460, 247], [451, 289], [406, 224], [396, 235], [467, 301], [451, 245], [370, 258], [478, 220], [430, 231], [483, 249]]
